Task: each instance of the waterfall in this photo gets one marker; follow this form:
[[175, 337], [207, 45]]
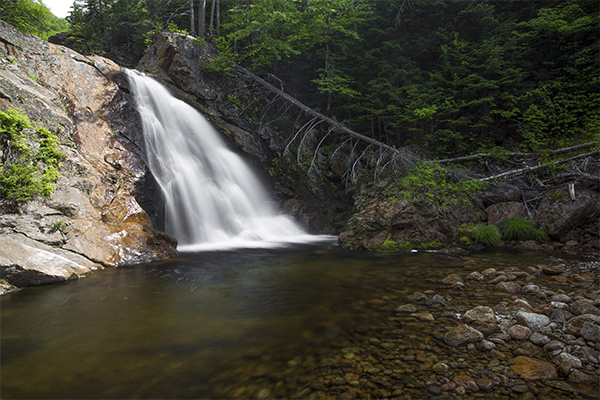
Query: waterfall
[[213, 199]]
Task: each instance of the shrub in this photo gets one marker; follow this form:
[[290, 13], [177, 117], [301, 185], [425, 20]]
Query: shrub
[[517, 229], [24, 172], [488, 235]]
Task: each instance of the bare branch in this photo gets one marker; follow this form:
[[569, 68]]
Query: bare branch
[[530, 169], [514, 154]]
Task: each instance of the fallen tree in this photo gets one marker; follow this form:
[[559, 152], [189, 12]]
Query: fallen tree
[[386, 155]]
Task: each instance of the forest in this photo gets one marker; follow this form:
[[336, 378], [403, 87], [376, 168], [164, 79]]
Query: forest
[[449, 78]]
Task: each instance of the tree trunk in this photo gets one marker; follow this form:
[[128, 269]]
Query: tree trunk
[[212, 17], [201, 18], [218, 17], [192, 26]]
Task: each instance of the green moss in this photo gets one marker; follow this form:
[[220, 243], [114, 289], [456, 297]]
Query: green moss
[[488, 235]]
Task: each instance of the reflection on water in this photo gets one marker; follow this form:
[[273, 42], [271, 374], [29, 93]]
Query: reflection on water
[[206, 324]]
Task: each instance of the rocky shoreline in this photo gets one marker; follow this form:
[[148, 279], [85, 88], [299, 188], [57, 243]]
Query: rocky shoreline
[[489, 331], [537, 337]]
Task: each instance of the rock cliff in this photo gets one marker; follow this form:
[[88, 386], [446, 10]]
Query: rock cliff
[[93, 219]]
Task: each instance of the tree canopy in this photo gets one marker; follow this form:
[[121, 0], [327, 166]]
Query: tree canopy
[[449, 77], [31, 16]]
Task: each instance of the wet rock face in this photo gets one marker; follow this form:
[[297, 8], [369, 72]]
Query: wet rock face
[[558, 214], [93, 218]]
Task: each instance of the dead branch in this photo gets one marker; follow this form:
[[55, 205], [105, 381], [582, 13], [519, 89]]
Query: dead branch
[[531, 169], [405, 155], [513, 154], [578, 175]]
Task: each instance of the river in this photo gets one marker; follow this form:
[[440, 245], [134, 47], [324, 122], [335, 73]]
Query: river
[[252, 323]]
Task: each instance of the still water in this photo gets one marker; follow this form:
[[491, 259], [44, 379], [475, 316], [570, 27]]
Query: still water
[[208, 325]]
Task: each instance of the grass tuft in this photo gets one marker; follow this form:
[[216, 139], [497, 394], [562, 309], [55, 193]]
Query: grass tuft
[[517, 229], [488, 235]]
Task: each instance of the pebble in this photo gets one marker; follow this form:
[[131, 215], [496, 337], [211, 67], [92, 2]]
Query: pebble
[[554, 345], [533, 321], [406, 308], [481, 314], [498, 279], [519, 332], [452, 278], [475, 276], [539, 339], [562, 298], [580, 377], [484, 383], [590, 332], [566, 357], [565, 367], [441, 368], [509, 287], [424, 316], [462, 334], [520, 388], [530, 289], [486, 345], [551, 270], [532, 369], [436, 299]]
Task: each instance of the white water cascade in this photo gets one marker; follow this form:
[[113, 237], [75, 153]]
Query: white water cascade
[[213, 199]]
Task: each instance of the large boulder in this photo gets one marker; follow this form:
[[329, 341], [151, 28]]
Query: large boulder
[[93, 218], [385, 220], [26, 262], [558, 213], [500, 212], [501, 193]]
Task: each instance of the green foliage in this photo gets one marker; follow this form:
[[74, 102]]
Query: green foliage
[[517, 229], [488, 235], [19, 183], [224, 62], [32, 17], [434, 181], [172, 27], [450, 77], [26, 173]]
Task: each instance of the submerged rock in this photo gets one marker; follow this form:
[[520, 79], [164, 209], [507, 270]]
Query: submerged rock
[[462, 334], [533, 321], [533, 369]]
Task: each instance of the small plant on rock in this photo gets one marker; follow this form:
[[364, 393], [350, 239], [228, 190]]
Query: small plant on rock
[[488, 235], [517, 229]]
